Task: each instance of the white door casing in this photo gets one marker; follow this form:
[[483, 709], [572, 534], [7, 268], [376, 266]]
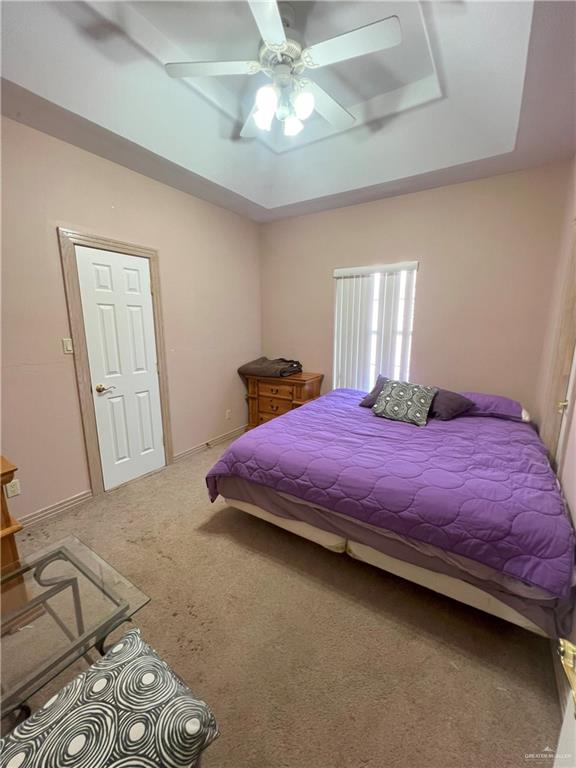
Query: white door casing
[[567, 408], [119, 323]]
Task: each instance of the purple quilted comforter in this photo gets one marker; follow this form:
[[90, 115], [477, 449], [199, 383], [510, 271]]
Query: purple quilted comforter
[[478, 487]]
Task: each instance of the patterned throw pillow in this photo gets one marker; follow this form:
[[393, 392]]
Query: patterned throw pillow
[[402, 401], [129, 710]]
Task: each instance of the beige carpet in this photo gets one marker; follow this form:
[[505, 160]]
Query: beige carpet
[[308, 658]]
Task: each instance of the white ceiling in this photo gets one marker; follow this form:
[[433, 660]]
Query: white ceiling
[[475, 88]]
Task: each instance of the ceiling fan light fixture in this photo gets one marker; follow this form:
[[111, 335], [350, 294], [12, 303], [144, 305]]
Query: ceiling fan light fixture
[[292, 126], [263, 119], [303, 104]]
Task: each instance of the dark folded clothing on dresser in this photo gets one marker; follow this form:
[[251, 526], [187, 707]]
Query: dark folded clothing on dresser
[[265, 367]]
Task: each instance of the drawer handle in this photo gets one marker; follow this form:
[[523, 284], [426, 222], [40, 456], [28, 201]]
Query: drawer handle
[[273, 407], [274, 390]]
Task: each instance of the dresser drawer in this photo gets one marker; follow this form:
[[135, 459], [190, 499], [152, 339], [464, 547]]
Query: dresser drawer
[[264, 417], [274, 390], [273, 405]]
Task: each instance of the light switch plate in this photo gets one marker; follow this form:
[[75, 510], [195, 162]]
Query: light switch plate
[[67, 346], [13, 488]]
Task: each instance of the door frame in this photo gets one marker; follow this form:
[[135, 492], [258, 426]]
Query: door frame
[[68, 240], [564, 345], [567, 416]]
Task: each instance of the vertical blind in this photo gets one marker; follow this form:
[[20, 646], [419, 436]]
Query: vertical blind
[[373, 324]]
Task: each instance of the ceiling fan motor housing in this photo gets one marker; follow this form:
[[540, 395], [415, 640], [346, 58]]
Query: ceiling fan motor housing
[[271, 57]]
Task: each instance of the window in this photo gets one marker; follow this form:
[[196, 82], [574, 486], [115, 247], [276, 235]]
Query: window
[[373, 329]]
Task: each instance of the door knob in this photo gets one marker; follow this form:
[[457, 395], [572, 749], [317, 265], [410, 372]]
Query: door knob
[[562, 405], [100, 388]]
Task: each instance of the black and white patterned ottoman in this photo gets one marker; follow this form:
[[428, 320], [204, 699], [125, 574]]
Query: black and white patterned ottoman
[[129, 710]]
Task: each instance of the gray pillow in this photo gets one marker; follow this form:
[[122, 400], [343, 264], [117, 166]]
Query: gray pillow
[[128, 709], [369, 401], [402, 401]]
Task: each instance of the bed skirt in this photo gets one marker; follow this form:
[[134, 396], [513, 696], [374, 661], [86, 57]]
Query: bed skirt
[[461, 580]]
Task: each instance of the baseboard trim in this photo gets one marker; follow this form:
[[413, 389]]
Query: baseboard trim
[[62, 506], [209, 443], [55, 509]]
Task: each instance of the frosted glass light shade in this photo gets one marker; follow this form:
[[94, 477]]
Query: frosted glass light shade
[[292, 126], [304, 104], [267, 98]]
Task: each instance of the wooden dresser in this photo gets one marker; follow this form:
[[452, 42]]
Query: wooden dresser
[[13, 595], [270, 397], [8, 525]]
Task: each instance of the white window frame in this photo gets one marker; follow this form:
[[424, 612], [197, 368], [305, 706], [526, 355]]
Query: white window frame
[[374, 310]]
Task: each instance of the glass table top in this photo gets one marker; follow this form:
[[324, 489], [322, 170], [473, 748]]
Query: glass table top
[[56, 605]]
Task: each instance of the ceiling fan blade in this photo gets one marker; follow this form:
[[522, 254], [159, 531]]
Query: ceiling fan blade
[[359, 42], [269, 22], [329, 108], [203, 68]]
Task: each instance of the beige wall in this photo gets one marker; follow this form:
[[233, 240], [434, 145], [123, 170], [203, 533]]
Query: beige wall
[[488, 251], [211, 304]]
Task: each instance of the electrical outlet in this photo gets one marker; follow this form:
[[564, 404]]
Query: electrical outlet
[[228, 414], [67, 347], [13, 488]]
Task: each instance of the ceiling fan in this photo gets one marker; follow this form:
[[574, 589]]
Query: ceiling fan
[[292, 98]]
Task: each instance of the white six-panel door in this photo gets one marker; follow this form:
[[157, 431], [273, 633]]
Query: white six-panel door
[[119, 323]]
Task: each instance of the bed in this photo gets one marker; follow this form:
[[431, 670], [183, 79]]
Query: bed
[[469, 507]]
